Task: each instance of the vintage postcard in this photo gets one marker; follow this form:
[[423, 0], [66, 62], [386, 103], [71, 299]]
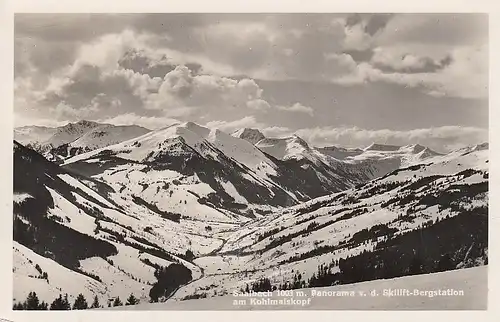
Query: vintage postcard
[[285, 161]]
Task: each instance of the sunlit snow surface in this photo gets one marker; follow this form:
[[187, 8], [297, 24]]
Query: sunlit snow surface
[[471, 282], [227, 246]]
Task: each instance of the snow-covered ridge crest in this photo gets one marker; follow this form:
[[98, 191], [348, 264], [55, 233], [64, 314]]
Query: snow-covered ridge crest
[[381, 147], [203, 140], [285, 148], [251, 135], [74, 138], [136, 200]]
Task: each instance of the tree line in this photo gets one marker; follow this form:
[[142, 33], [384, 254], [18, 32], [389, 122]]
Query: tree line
[[32, 302], [448, 244]]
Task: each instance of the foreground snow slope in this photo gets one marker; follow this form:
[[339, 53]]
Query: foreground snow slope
[[472, 281]]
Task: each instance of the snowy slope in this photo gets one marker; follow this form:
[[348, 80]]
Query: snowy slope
[[285, 148], [198, 155], [472, 281], [339, 153], [46, 137], [70, 132], [407, 155], [196, 137], [107, 135], [191, 156], [76, 233], [27, 278], [380, 159], [242, 212], [449, 191], [31, 134], [251, 135], [74, 138]]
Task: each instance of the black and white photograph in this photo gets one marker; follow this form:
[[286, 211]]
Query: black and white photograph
[[250, 161]]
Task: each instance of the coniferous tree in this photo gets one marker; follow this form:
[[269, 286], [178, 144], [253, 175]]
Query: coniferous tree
[[95, 304], [189, 255], [44, 306], [416, 266], [117, 302], [32, 302], [18, 306], [66, 304], [445, 263], [57, 303], [80, 303], [169, 278], [60, 303], [132, 300]]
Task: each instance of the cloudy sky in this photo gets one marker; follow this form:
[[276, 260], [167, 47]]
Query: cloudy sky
[[347, 79]]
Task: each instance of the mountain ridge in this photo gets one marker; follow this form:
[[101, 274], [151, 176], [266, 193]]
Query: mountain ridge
[[58, 143], [233, 214]]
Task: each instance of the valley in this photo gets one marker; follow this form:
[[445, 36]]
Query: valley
[[192, 212]]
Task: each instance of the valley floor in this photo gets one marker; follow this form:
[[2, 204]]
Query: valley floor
[[470, 287]]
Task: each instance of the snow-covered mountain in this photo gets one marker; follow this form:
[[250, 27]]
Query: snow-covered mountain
[[407, 154], [70, 132], [230, 213], [380, 159], [382, 229], [98, 137], [371, 162], [33, 134], [286, 148], [68, 227], [52, 137], [236, 174], [251, 135], [340, 153], [71, 139]]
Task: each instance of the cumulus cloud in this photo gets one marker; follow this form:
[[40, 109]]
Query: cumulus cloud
[[442, 139], [259, 104], [276, 131], [231, 126], [99, 87], [250, 122], [390, 61], [201, 93], [356, 38], [88, 89], [21, 119], [315, 47], [464, 75], [106, 51], [181, 88], [152, 123], [297, 107], [253, 67], [141, 62]]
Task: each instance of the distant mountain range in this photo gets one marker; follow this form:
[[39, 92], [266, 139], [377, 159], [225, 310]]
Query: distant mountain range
[[110, 208], [62, 142]]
